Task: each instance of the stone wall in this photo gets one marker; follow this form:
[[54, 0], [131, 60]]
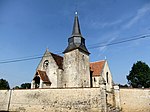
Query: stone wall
[[110, 98], [4, 99], [53, 100], [135, 100], [74, 99]]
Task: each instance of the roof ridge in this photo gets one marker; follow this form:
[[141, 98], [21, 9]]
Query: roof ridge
[[58, 59], [55, 54], [98, 61]]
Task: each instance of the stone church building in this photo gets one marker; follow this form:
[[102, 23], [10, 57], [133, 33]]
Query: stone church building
[[73, 69], [75, 85]]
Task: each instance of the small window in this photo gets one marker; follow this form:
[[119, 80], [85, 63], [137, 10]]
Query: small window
[[83, 57], [94, 79]]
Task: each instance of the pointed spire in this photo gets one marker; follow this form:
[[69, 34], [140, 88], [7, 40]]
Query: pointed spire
[[76, 27], [76, 41]]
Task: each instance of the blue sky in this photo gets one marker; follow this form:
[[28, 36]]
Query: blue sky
[[28, 27]]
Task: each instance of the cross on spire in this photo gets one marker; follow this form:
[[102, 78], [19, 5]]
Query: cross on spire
[[76, 13]]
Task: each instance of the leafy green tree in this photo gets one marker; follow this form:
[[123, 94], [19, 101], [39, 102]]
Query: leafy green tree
[[4, 84], [139, 75], [16, 87], [123, 86], [25, 86]]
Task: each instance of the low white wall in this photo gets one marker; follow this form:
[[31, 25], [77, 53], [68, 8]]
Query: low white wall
[[52, 100], [4, 99], [135, 100]]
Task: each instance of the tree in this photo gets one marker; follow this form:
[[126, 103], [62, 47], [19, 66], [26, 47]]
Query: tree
[[123, 86], [4, 84], [16, 87], [25, 86], [139, 75]]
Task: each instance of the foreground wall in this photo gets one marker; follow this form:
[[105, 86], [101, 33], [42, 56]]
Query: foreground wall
[[4, 99], [52, 100], [135, 100]]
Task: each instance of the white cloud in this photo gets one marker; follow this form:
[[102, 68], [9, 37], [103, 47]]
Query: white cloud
[[97, 24], [112, 23], [140, 13], [111, 36]]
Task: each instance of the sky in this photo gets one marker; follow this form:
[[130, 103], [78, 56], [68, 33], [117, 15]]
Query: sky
[[28, 27]]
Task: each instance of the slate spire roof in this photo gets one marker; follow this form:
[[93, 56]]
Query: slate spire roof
[[76, 41], [76, 27]]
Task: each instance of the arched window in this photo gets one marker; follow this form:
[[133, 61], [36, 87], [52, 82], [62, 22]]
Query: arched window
[[107, 78]]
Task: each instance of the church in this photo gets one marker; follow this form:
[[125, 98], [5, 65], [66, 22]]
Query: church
[[71, 83], [73, 70]]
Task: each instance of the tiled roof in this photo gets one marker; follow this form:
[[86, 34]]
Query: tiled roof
[[43, 76], [58, 59], [97, 67]]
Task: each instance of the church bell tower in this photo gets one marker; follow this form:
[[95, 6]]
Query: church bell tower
[[76, 60]]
